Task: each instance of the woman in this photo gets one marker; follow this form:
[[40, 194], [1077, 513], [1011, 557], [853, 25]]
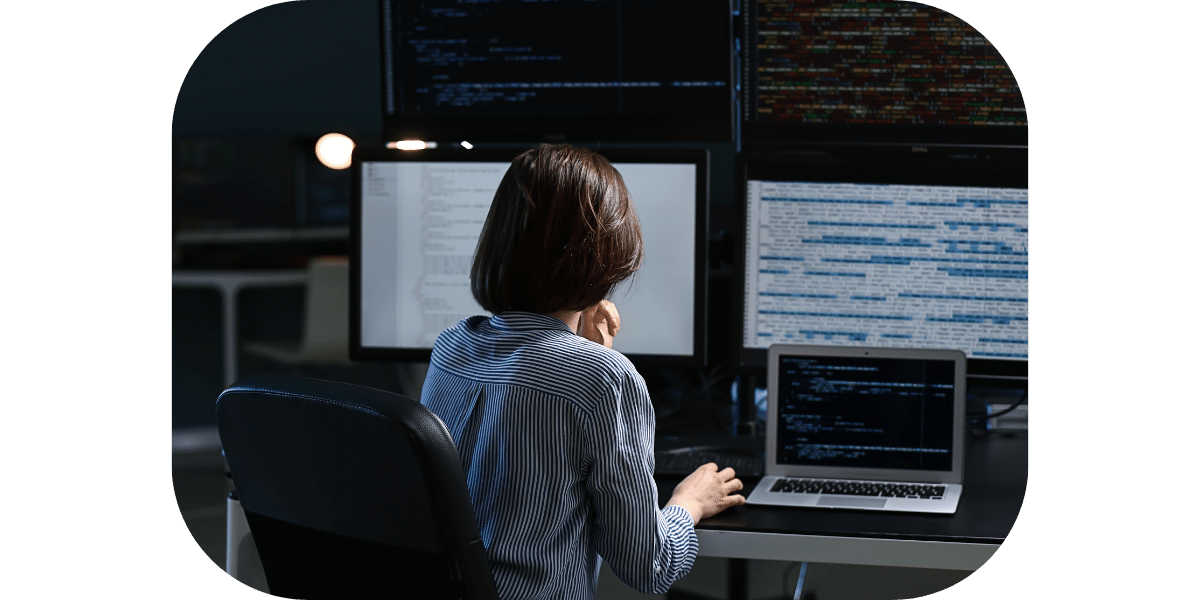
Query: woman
[[556, 431]]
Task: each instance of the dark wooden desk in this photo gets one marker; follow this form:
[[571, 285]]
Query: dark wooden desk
[[993, 491]]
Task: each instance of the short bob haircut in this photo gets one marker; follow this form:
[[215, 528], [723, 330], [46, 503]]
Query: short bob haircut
[[561, 234]]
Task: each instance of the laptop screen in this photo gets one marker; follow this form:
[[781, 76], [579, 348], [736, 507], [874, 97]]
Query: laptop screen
[[868, 412]]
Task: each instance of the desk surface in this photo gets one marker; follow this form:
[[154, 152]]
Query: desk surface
[[993, 491]]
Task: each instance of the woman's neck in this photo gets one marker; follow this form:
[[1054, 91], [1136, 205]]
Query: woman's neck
[[570, 317]]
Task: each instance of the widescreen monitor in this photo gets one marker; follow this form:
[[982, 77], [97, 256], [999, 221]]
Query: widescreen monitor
[[857, 72], [417, 218], [888, 251], [605, 70]]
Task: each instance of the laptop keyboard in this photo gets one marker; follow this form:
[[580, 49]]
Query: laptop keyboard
[[859, 488], [685, 463]]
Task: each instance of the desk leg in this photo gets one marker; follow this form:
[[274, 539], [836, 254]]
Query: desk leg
[[229, 301], [739, 580], [800, 581]]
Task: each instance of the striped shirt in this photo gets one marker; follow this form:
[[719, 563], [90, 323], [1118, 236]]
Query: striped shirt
[[556, 435]]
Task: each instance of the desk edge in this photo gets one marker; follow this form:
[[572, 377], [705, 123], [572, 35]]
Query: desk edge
[[845, 550]]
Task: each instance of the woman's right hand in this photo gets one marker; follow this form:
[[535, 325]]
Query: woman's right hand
[[707, 492], [600, 322]]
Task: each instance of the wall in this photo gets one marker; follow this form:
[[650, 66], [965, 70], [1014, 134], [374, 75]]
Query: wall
[[294, 69]]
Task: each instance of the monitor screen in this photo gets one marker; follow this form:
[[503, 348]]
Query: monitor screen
[[508, 71], [886, 252], [418, 218], [873, 71]]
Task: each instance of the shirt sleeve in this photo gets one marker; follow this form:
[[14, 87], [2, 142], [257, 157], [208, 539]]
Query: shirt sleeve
[[647, 548]]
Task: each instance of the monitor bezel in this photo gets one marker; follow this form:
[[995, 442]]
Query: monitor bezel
[[695, 156], [999, 166]]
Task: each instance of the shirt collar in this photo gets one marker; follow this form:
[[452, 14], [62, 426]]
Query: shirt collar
[[526, 321]]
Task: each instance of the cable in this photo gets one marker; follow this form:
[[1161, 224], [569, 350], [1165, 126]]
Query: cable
[[1011, 407], [715, 374]]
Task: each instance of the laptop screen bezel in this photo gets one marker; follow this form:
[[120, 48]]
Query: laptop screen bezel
[[773, 465]]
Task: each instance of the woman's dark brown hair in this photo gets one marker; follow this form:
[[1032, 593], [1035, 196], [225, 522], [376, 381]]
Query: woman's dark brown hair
[[561, 233]]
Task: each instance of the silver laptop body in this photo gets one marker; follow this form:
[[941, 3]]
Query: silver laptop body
[[854, 422]]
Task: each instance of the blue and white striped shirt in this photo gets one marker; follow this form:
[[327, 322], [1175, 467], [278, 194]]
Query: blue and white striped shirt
[[556, 435]]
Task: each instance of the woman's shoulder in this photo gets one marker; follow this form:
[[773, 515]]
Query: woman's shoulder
[[581, 353], [571, 366], [613, 385]]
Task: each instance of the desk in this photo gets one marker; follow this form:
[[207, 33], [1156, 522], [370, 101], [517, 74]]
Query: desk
[[229, 283], [993, 490]]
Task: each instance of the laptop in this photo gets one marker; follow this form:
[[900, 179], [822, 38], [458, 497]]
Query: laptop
[[864, 428]]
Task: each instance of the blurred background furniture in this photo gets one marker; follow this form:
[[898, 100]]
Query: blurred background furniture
[[324, 337], [193, 431], [229, 283]]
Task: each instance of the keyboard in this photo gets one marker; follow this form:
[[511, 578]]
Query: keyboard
[[859, 488], [670, 462]]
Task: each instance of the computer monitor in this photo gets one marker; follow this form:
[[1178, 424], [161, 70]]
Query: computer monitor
[[899, 72], [652, 70], [416, 221], [889, 250]]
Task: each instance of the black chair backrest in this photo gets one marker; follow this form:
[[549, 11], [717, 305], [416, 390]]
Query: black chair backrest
[[351, 491]]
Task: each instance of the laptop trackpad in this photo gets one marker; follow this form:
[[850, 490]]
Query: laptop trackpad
[[851, 502]]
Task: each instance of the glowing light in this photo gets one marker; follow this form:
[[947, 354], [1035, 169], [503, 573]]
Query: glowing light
[[411, 145], [334, 150], [467, 145]]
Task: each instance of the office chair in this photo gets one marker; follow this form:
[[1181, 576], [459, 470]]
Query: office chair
[[350, 492]]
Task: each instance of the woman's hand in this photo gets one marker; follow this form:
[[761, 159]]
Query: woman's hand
[[707, 492], [600, 322]]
